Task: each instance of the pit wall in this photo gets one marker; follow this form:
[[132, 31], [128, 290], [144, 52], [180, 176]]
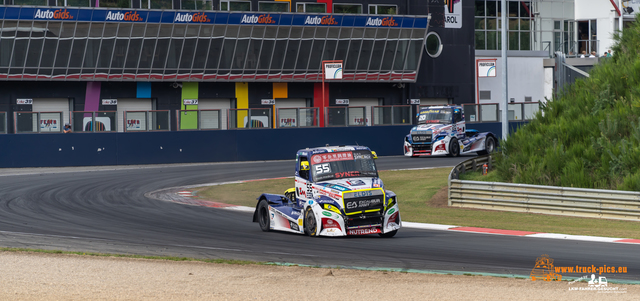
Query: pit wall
[[93, 149]]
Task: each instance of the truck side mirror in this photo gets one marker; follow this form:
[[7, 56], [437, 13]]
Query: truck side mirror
[[304, 165], [375, 156]]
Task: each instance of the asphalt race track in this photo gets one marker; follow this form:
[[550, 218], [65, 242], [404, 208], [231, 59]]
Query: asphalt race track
[[103, 209]]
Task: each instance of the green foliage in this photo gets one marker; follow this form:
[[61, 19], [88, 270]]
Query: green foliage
[[589, 136]]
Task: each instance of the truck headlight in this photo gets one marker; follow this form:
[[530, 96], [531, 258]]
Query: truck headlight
[[331, 208]]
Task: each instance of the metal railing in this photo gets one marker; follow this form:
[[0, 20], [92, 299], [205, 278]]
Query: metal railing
[[223, 119], [346, 116], [568, 201], [199, 119], [297, 117], [391, 115], [37, 122], [143, 121]]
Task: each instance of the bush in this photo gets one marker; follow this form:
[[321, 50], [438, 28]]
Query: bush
[[589, 136]]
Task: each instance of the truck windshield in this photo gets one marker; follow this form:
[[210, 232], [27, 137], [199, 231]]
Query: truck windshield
[[435, 116], [347, 164]]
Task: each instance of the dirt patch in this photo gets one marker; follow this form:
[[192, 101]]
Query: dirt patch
[[440, 199], [32, 276]]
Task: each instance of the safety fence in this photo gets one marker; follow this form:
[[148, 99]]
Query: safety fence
[[206, 119], [252, 118], [598, 203]]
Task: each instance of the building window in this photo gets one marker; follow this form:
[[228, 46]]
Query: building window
[[433, 45], [197, 4], [488, 27], [279, 6], [78, 3], [235, 5], [347, 8], [114, 3], [31, 2], [156, 4], [382, 9], [311, 7]]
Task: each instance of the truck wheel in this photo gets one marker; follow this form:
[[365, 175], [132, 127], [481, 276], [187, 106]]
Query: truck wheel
[[310, 225], [489, 146], [454, 148], [388, 234], [263, 216]]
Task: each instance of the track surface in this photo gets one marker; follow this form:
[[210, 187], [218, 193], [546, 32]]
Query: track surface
[[104, 209]]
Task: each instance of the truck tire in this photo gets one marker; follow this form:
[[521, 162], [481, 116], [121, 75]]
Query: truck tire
[[454, 148], [263, 216], [489, 146], [310, 225]]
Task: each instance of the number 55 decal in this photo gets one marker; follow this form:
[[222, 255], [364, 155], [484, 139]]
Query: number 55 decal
[[323, 168]]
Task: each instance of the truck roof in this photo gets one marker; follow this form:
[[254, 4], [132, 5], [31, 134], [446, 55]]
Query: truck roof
[[440, 107], [330, 149]]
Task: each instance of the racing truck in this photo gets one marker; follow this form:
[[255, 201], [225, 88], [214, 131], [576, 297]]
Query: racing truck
[[337, 192], [441, 130]]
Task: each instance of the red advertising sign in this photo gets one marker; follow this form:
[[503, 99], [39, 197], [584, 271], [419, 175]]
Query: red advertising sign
[[331, 157]]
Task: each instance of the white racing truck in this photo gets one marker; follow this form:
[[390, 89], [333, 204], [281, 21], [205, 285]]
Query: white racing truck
[[337, 193], [441, 130]]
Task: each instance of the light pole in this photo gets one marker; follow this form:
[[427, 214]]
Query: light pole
[[505, 92]]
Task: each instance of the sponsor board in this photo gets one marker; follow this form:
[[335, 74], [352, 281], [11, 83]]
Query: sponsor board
[[90, 14], [324, 20], [333, 71], [453, 14], [364, 231], [50, 14], [486, 68], [257, 19], [131, 16], [382, 22], [192, 18]]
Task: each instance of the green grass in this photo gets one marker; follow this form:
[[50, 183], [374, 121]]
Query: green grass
[[416, 190]]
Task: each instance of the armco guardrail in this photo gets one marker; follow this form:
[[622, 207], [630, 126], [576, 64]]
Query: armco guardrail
[[611, 204]]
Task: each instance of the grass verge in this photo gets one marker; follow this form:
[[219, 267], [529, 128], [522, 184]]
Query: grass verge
[[422, 196]]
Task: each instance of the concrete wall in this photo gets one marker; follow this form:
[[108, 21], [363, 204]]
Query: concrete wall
[[93, 149]]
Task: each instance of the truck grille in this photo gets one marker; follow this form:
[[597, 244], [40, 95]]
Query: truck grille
[[364, 220], [421, 138], [362, 204]]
